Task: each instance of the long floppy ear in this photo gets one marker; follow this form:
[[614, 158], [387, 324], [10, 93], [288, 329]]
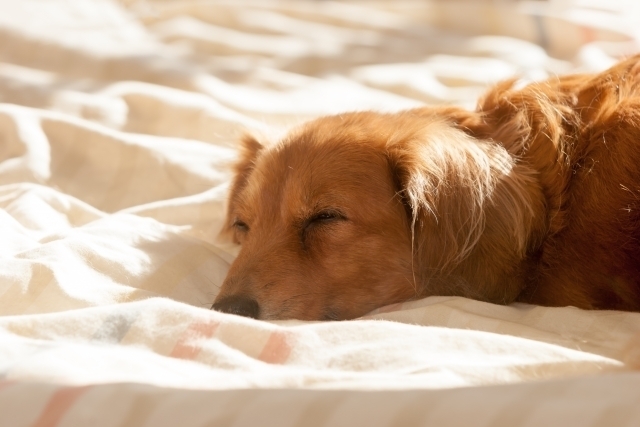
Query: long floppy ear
[[248, 151], [473, 210]]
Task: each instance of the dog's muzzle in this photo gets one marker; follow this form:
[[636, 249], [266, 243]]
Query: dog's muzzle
[[238, 304]]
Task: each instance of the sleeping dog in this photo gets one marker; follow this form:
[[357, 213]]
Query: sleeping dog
[[532, 197]]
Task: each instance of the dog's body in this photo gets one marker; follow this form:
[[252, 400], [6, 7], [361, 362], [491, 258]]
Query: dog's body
[[533, 197]]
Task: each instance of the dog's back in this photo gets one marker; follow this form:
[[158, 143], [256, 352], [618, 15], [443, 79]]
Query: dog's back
[[585, 146]]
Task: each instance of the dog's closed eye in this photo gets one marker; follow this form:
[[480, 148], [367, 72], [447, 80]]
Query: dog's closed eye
[[240, 225], [240, 228], [318, 220], [324, 217]]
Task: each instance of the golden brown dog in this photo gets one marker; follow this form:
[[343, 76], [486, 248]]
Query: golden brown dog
[[534, 197]]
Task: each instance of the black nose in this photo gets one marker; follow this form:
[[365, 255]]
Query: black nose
[[238, 304]]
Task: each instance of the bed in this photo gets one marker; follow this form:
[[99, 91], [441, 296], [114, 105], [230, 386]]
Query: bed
[[118, 122]]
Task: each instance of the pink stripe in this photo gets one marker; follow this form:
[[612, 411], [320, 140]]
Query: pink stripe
[[6, 383], [58, 406], [277, 349], [185, 348], [588, 34]]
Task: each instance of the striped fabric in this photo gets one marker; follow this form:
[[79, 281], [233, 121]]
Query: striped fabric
[[117, 127]]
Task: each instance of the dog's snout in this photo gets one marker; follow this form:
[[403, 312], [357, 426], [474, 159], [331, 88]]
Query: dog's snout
[[238, 304]]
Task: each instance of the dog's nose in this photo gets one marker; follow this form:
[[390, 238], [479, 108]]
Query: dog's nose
[[238, 304]]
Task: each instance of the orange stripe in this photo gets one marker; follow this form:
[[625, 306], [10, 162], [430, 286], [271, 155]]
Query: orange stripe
[[277, 349], [185, 347], [58, 406]]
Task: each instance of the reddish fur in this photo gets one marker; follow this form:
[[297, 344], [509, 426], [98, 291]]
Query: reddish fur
[[533, 197]]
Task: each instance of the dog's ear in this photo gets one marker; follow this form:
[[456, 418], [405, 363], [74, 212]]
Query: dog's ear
[[445, 178], [471, 207], [248, 150]]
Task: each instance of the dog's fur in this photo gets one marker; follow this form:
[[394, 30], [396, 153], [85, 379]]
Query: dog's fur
[[533, 197]]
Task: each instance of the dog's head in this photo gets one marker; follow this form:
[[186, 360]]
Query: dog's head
[[353, 212]]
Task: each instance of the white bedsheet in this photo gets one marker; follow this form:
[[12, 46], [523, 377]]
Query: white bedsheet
[[117, 126]]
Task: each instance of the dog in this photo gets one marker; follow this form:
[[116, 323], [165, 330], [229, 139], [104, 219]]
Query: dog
[[533, 197]]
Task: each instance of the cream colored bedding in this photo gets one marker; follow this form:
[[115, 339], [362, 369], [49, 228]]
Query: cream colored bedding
[[117, 125]]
